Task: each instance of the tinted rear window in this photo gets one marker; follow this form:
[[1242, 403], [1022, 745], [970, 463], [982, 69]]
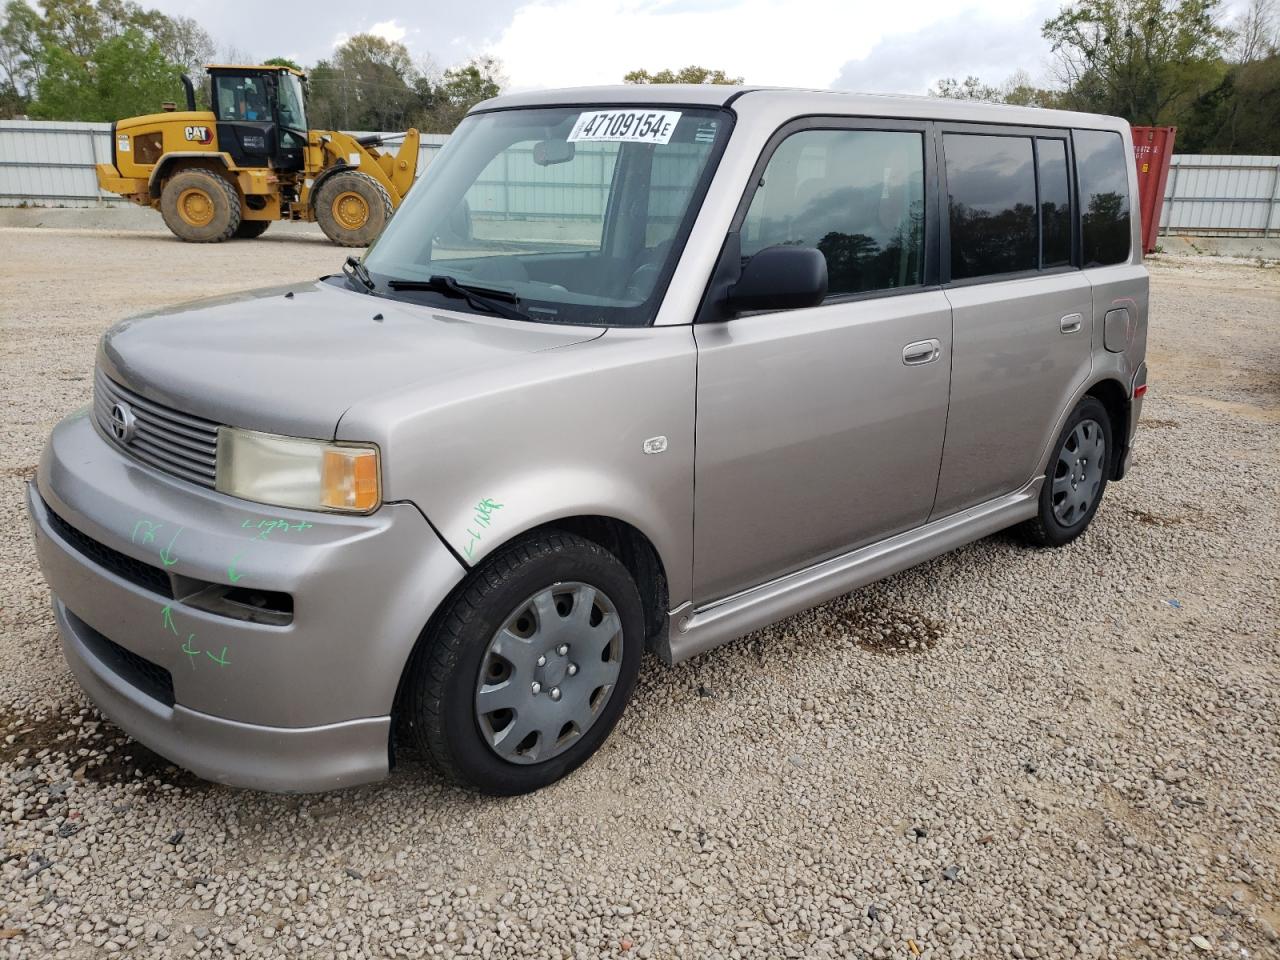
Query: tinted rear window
[[1055, 203], [1103, 170], [991, 183]]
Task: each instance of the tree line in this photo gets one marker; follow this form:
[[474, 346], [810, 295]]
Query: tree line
[[103, 60], [1153, 62], [1158, 63]]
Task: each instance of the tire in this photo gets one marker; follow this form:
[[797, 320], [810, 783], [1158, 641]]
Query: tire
[[1074, 481], [458, 671], [200, 207], [249, 229], [352, 208]]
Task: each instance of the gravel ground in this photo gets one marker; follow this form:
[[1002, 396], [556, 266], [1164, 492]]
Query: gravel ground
[[1004, 752]]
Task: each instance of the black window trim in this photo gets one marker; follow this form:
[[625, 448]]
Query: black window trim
[[1073, 205], [1005, 130]]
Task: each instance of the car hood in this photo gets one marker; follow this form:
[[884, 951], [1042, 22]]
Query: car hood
[[293, 359]]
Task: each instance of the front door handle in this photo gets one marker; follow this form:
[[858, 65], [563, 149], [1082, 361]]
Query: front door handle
[[922, 351], [1071, 323]]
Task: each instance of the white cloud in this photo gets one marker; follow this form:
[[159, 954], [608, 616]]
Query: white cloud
[[991, 45], [799, 43], [389, 30]]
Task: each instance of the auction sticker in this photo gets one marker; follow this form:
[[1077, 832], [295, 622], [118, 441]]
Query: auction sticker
[[642, 126]]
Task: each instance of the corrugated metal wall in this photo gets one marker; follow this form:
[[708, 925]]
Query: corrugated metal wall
[[1214, 195], [50, 163]]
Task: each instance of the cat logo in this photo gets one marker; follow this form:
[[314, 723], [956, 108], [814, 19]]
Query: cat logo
[[199, 134]]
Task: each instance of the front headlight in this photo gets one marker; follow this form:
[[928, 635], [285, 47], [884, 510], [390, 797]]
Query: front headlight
[[290, 472]]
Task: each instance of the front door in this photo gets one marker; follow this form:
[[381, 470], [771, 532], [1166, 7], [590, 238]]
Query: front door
[[821, 429]]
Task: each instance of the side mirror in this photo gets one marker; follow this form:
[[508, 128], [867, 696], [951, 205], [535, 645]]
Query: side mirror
[[780, 278]]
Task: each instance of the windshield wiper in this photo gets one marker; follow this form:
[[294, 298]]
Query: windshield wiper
[[353, 269], [501, 302]]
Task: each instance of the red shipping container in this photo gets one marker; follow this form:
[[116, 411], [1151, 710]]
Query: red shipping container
[[1152, 150]]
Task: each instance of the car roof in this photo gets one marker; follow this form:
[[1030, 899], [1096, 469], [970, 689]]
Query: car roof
[[802, 103]]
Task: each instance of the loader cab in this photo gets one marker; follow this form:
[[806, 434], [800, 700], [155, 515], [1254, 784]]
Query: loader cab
[[261, 115]]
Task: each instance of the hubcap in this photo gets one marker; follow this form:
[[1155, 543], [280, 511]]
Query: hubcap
[[195, 207], [548, 672], [350, 210], [1077, 474]]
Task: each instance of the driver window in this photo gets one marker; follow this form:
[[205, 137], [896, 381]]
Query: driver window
[[855, 195]]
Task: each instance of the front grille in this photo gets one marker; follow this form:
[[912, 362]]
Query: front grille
[[176, 443], [150, 678], [125, 567]]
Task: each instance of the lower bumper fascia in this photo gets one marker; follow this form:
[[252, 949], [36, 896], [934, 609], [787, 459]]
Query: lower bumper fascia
[[277, 759]]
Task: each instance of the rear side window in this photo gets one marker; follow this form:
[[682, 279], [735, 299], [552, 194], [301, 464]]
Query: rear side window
[[855, 195], [1055, 203], [1103, 170], [991, 185]]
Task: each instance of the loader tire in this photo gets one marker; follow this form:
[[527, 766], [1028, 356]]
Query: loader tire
[[200, 207], [352, 208], [249, 229]]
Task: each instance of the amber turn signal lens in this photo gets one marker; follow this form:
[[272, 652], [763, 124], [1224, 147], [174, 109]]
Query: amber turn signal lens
[[298, 472], [350, 478]]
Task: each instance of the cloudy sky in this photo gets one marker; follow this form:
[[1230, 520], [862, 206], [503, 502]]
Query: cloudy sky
[[900, 46]]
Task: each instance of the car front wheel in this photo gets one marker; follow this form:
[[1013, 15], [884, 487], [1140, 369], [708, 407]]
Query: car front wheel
[[525, 671]]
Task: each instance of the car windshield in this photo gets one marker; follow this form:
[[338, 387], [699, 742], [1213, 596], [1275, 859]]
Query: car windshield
[[573, 214]]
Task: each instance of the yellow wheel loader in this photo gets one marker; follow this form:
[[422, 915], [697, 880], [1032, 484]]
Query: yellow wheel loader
[[230, 171]]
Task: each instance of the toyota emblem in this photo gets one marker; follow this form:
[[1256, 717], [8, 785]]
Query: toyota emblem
[[123, 423]]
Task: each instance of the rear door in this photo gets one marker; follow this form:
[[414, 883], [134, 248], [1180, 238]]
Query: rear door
[[1022, 309], [820, 429]]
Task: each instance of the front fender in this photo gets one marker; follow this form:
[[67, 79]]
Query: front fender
[[544, 436]]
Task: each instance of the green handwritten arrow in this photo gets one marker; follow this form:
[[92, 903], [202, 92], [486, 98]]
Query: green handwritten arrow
[[168, 620], [166, 555], [221, 659], [231, 569]]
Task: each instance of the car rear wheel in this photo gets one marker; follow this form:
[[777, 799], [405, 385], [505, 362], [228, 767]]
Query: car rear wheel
[[529, 665], [1076, 477], [352, 208], [200, 207]]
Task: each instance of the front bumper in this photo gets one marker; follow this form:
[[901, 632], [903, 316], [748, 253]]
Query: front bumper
[[159, 590]]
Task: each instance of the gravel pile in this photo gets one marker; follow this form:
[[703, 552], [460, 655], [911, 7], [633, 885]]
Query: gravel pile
[[1003, 753]]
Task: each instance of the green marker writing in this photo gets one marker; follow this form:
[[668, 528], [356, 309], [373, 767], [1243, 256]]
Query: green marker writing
[[166, 555], [190, 651]]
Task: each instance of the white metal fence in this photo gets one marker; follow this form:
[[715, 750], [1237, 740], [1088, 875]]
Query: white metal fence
[[1213, 195], [50, 163]]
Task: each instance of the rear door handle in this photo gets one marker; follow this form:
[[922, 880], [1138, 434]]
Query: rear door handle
[[1071, 323], [922, 351]]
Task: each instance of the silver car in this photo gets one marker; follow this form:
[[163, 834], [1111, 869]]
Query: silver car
[[632, 368]]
